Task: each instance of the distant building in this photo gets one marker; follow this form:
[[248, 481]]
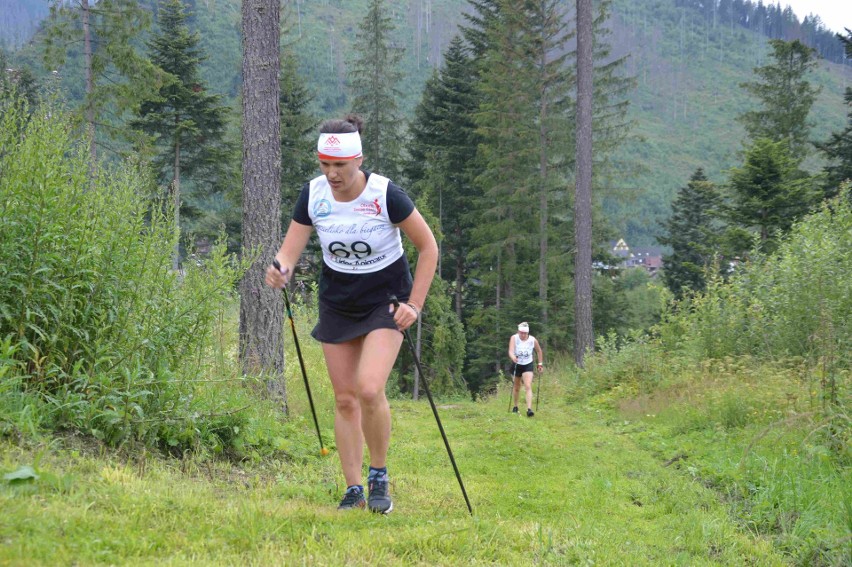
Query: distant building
[[649, 257]]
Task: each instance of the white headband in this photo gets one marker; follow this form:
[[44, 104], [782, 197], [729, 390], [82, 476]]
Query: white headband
[[339, 146]]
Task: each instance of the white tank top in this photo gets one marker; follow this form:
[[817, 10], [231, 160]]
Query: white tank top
[[357, 236], [524, 349]]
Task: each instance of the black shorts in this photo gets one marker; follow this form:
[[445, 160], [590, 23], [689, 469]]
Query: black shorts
[[521, 368], [336, 325]]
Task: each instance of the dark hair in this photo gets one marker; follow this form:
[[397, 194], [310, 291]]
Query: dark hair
[[352, 123]]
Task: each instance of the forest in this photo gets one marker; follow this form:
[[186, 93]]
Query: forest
[[634, 192]]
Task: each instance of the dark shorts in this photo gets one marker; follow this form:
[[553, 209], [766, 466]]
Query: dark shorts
[[337, 325], [521, 368]]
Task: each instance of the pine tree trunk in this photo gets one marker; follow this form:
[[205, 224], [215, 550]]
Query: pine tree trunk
[[261, 308], [90, 82], [583, 330], [459, 283], [543, 218], [176, 205], [498, 290]]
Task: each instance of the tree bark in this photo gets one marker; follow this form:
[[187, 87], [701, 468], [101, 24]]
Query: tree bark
[[90, 82], [542, 205], [261, 308], [176, 205], [583, 330], [459, 282]]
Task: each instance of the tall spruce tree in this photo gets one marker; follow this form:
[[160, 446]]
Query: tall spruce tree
[[767, 194], [298, 146], [549, 22], [112, 77], [375, 78], [692, 231], [186, 123], [439, 171], [442, 159], [506, 250], [838, 148], [785, 97], [298, 140], [524, 88], [612, 89]]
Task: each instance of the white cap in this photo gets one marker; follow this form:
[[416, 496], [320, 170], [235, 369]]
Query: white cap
[[524, 328]]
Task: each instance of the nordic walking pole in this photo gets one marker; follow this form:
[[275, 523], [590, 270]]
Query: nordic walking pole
[[395, 302], [512, 386], [323, 450], [538, 389]]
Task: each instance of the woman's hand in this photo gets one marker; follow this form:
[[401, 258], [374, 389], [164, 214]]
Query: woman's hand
[[404, 314], [277, 277]]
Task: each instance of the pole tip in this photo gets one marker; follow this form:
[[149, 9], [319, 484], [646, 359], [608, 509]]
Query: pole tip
[[324, 452]]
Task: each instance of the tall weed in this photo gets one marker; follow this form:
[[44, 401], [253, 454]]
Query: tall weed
[[108, 336]]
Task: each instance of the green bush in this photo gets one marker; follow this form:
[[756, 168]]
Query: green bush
[[796, 302], [98, 328]]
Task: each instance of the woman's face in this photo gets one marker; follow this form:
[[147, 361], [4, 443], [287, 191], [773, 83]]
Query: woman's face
[[343, 175], [523, 335]]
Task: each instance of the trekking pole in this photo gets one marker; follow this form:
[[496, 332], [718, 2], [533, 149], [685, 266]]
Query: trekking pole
[[395, 302], [538, 389], [512, 386], [323, 450]]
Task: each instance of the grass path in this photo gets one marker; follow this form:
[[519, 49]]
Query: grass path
[[562, 488]]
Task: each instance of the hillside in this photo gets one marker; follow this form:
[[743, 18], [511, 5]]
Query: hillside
[[686, 103], [687, 66], [19, 20]]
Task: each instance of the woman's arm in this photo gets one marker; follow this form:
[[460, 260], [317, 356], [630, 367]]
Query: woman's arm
[[416, 229], [512, 349], [294, 243]]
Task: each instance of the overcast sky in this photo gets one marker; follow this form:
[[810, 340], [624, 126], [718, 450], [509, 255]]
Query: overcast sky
[[835, 14]]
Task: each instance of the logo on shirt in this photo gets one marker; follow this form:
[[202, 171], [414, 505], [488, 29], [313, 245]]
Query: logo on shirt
[[322, 208], [369, 209]]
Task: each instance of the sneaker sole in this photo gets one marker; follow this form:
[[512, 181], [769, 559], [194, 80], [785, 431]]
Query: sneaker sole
[[383, 512]]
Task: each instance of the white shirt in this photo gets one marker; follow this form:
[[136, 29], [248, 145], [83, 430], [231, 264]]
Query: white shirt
[[356, 236], [524, 349]]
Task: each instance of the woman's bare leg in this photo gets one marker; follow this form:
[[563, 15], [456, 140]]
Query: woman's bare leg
[[359, 371], [528, 378], [342, 360], [379, 353]]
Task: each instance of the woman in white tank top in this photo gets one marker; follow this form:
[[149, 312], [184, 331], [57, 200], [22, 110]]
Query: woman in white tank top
[[521, 347]]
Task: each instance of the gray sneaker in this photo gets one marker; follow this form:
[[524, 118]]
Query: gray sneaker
[[379, 500], [354, 498]]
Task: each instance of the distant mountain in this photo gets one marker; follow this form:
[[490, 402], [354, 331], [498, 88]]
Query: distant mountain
[[688, 58], [19, 20], [689, 65]]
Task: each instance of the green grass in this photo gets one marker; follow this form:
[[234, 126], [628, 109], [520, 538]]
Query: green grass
[[566, 487]]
